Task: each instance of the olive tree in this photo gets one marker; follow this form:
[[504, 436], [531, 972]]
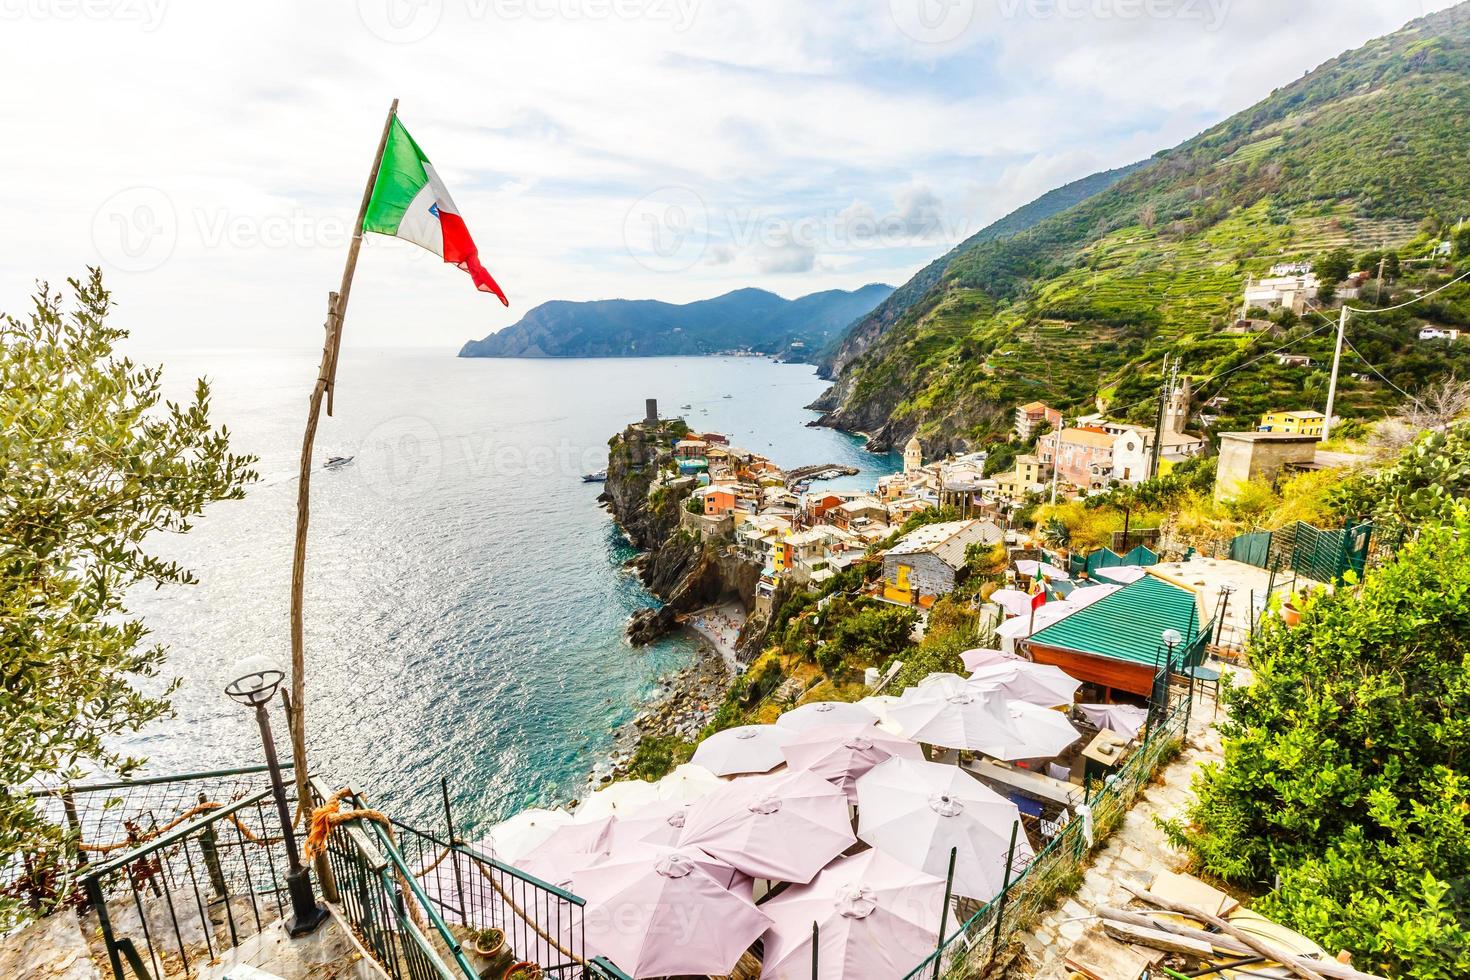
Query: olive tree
[[93, 463]]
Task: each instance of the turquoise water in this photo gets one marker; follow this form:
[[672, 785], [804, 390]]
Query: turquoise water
[[465, 600]]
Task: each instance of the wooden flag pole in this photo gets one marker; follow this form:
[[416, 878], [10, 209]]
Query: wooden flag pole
[[325, 382]]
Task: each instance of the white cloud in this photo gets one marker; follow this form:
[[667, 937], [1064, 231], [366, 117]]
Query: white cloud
[[236, 137]]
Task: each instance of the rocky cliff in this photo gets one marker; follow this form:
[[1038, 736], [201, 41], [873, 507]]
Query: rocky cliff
[[685, 572]]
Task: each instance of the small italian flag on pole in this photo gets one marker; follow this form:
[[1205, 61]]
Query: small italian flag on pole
[[410, 202]]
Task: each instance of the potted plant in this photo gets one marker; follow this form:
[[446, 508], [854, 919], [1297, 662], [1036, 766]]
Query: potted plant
[[525, 970], [1291, 613], [488, 942]]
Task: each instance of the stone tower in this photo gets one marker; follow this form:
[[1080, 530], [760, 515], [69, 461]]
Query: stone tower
[[913, 455]]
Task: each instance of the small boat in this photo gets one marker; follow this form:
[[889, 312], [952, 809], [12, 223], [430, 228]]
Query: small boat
[[727, 396], [337, 462], [599, 477], [685, 408]]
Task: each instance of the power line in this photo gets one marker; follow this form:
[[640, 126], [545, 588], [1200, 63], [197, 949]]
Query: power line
[[1376, 371]]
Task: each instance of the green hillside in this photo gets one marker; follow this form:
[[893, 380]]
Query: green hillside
[[1368, 153]]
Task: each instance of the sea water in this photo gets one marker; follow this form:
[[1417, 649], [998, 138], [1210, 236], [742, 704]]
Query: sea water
[[465, 595]]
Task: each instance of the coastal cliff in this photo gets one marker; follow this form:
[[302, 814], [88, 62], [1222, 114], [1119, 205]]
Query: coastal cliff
[[646, 497]]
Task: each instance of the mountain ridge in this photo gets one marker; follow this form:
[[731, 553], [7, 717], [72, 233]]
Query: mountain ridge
[[743, 319]]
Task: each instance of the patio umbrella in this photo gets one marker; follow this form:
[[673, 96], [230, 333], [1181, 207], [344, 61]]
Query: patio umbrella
[[658, 823], [1022, 680], [951, 712], [1121, 573], [1034, 733], [511, 838], [1023, 626], [617, 799], [1125, 719], [1027, 567], [782, 827], [917, 811], [1091, 594], [975, 659], [818, 714], [1013, 601], [567, 848], [842, 753], [876, 918], [688, 782], [658, 912], [749, 748], [879, 704]]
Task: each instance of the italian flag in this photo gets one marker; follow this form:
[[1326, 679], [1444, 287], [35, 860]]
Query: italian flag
[[410, 202]]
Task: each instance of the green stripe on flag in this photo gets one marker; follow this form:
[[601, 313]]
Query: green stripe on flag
[[400, 177]]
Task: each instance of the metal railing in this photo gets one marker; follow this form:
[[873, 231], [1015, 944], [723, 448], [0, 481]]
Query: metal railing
[[987, 930], [182, 899]]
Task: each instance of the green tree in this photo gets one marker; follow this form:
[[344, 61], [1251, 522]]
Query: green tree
[[1332, 268], [94, 463], [1346, 777]]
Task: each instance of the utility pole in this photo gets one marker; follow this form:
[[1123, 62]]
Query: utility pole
[[1378, 292], [1056, 456], [1153, 463], [1336, 364]]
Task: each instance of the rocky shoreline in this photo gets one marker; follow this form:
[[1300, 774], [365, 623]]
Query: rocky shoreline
[[682, 706]]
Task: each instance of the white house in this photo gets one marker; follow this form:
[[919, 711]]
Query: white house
[[1290, 292], [1133, 450], [1438, 333]]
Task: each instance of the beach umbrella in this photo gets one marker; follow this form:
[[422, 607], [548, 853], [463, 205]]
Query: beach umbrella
[[1034, 733], [1013, 601], [658, 912], [942, 677], [567, 848], [842, 753], [1092, 593], [876, 917], [749, 748], [951, 712], [511, 838], [1125, 719], [688, 782], [975, 659], [1023, 626], [782, 827], [1028, 566], [1121, 573], [659, 823], [1022, 680], [879, 704], [617, 799], [819, 714], [917, 812]]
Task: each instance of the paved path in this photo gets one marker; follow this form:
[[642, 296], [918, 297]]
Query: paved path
[[1137, 850]]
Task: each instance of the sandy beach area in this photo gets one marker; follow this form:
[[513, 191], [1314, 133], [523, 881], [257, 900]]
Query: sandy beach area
[[720, 625]]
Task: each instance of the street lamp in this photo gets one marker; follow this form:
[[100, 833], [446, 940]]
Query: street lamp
[[256, 681]]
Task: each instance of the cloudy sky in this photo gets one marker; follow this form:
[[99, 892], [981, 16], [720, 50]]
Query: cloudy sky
[[211, 156]]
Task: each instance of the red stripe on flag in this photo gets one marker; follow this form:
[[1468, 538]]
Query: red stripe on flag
[[1038, 600], [459, 249]]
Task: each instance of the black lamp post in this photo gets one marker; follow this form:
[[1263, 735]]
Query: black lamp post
[[256, 681]]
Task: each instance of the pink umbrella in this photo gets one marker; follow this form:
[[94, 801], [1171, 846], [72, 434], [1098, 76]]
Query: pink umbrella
[[842, 753], [783, 827], [876, 917], [1013, 601], [975, 659], [658, 912], [1034, 733], [1022, 680], [952, 712], [658, 823], [919, 811], [566, 849], [749, 748], [823, 714]]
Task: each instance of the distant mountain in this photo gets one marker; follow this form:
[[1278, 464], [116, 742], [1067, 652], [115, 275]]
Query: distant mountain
[[747, 319]]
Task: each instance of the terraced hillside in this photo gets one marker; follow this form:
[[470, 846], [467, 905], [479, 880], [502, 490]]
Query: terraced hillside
[[1369, 152]]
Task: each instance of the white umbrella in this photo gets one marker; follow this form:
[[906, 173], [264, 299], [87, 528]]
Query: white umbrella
[[842, 753], [876, 918], [1125, 719], [879, 705], [917, 811], [1022, 680], [688, 782], [821, 714], [1090, 594], [1013, 601], [1034, 733], [511, 838], [1121, 573], [749, 748], [953, 713], [1027, 567], [658, 823], [975, 659], [1023, 626], [617, 799]]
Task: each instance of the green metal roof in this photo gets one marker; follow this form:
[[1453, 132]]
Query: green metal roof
[[1127, 625]]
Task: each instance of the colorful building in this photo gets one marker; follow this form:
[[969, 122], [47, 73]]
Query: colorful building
[[926, 563], [1293, 423]]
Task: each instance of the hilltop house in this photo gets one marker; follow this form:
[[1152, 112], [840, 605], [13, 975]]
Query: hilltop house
[[1293, 423], [1033, 417], [1282, 292], [925, 564], [719, 499], [1082, 457], [1438, 333]]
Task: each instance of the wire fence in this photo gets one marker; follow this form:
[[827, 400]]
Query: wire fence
[[983, 936]]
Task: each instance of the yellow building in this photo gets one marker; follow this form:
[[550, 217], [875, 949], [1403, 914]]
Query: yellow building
[[1293, 423]]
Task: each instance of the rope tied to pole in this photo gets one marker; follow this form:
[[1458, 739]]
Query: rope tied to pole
[[189, 814], [330, 815]]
